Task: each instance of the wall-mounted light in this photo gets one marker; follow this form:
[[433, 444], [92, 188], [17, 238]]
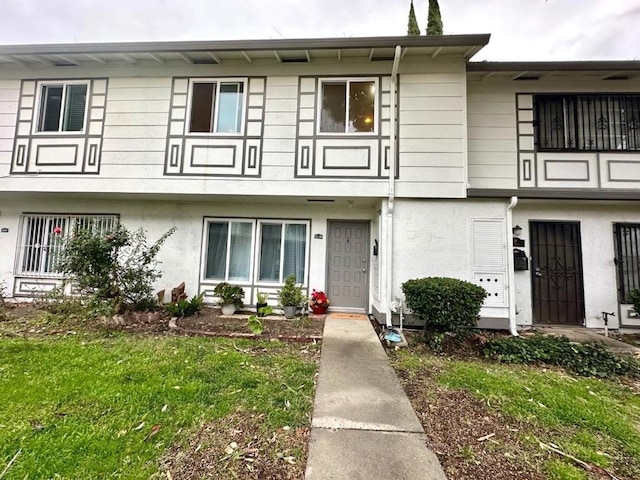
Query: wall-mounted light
[[517, 230]]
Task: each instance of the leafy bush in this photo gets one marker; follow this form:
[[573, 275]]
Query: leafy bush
[[184, 307], [591, 359], [58, 303], [291, 294], [634, 296], [445, 305], [118, 268], [229, 294]]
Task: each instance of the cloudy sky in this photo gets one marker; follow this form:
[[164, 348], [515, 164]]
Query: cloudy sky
[[521, 29]]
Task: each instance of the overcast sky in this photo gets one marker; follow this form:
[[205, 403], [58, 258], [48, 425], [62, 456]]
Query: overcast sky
[[521, 29]]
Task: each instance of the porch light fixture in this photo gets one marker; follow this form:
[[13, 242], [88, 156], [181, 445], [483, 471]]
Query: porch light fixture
[[517, 230]]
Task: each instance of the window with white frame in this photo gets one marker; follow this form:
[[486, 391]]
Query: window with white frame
[[241, 250], [62, 107], [216, 106], [348, 106], [42, 240]]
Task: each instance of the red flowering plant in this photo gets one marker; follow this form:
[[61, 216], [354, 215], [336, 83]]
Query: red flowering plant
[[318, 299]]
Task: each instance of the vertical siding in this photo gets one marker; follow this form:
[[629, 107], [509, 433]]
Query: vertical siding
[[432, 132], [491, 114], [135, 129], [9, 95], [278, 148]]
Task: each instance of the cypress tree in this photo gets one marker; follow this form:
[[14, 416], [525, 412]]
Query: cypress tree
[[434, 25], [412, 28]]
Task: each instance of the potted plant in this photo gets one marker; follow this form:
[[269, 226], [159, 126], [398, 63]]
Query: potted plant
[[319, 302], [261, 302], [290, 296], [230, 297]]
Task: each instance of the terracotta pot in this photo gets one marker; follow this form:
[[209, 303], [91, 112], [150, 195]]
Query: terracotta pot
[[319, 309]]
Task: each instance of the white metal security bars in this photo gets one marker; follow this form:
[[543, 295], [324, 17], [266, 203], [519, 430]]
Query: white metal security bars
[[593, 122], [42, 239]]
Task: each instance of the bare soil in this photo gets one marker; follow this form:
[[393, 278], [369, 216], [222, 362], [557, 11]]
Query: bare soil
[[471, 440], [237, 449], [210, 321]]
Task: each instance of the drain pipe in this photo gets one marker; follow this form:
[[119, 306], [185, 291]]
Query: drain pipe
[[510, 268], [392, 183]]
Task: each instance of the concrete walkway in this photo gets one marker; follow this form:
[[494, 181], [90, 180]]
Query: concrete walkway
[[363, 425], [583, 335]]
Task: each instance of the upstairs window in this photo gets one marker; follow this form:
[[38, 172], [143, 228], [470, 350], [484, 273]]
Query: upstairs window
[[591, 122], [216, 106], [62, 107], [348, 106]]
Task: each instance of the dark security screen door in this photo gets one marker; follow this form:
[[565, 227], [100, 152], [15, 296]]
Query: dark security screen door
[[558, 296]]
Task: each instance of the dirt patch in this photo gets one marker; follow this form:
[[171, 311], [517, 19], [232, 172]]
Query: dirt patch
[[210, 321], [470, 439], [238, 447]]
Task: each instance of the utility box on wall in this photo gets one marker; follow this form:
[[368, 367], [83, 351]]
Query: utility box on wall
[[520, 260]]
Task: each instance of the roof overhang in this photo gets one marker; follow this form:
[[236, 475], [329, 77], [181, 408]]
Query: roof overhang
[[245, 51], [602, 70]]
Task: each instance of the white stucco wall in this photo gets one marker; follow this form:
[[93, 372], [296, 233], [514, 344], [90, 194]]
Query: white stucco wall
[[599, 272], [432, 238], [180, 256]]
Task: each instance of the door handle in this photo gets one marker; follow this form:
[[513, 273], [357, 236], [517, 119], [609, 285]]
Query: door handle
[[364, 270], [537, 272]]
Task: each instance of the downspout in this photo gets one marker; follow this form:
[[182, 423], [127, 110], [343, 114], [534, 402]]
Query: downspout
[[392, 182], [511, 275]]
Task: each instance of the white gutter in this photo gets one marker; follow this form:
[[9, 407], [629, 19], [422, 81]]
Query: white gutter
[[392, 183], [510, 268]]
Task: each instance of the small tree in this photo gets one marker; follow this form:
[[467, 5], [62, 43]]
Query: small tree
[[445, 305], [412, 28], [118, 268], [434, 22]]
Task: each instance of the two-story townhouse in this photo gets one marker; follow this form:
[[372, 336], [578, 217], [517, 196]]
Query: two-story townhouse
[[342, 161], [562, 139], [354, 163]]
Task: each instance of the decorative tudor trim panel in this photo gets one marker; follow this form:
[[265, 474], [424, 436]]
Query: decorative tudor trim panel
[[226, 144], [60, 126]]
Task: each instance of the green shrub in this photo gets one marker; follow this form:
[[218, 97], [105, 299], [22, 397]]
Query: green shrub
[[58, 303], [291, 294], [229, 294], [445, 304], [634, 296], [184, 307], [118, 268], [591, 359]]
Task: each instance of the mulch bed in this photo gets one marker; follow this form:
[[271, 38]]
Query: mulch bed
[[238, 448], [210, 321]]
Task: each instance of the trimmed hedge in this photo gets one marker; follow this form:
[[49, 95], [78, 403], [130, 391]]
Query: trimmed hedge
[[592, 359], [445, 304]]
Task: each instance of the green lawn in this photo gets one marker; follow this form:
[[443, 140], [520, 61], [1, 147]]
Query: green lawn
[[597, 421], [85, 405]]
